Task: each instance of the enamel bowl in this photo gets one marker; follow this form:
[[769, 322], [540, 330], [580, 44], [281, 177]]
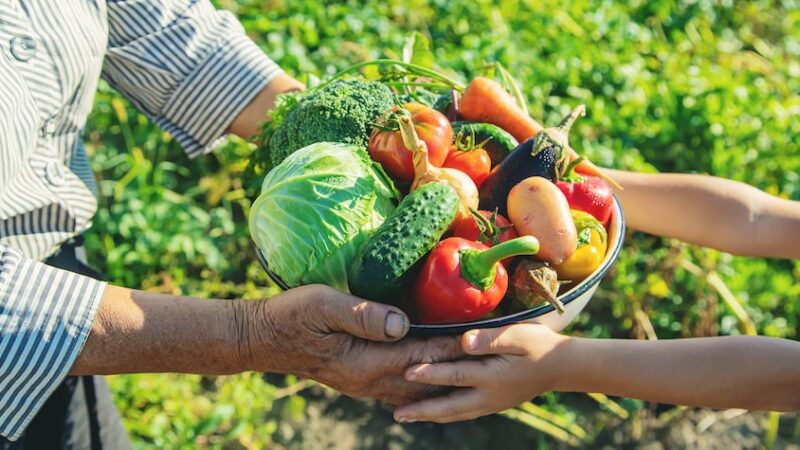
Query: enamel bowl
[[574, 299]]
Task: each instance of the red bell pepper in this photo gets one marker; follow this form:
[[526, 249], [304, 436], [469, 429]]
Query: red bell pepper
[[587, 193], [462, 280]]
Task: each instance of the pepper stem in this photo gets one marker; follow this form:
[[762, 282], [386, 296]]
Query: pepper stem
[[584, 220], [478, 267], [569, 173]]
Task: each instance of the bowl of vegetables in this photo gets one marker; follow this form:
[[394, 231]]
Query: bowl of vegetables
[[574, 300], [445, 200]]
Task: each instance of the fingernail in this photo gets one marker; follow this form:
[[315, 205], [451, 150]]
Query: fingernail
[[472, 341], [401, 419], [395, 325]]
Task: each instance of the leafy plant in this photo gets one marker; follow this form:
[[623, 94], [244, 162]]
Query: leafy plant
[[696, 86]]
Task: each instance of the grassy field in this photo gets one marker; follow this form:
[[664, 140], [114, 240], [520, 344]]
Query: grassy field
[[695, 86]]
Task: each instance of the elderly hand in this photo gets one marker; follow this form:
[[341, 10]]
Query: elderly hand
[[344, 342]]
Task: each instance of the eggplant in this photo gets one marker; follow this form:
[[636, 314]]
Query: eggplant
[[517, 166], [543, 155]]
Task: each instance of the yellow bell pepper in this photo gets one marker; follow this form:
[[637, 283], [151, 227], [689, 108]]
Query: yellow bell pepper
[[592, 246]]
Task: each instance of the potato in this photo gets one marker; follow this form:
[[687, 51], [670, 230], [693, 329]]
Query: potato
[[538, 208]]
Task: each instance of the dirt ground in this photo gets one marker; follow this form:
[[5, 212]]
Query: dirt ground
[[340, 423]]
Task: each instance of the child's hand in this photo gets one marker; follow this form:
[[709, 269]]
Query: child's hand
[[519, 364]]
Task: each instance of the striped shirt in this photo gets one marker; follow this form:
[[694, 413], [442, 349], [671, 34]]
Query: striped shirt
[[189, 67]]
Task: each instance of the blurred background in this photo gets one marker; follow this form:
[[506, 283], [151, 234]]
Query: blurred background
[[695, 86]]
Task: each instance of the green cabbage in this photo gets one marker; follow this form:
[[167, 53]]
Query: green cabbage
[[316, 211]]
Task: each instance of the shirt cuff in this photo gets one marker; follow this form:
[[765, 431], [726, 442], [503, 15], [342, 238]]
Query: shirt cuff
[[46, 315], [211, 97]]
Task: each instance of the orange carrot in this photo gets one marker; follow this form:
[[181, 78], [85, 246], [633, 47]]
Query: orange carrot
[[485, 100]]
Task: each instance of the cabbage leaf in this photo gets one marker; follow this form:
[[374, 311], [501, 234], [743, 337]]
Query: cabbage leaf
[[316, 211]]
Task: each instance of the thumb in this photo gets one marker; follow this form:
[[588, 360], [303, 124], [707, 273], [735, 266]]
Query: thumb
[[364, 319], [489, 341]]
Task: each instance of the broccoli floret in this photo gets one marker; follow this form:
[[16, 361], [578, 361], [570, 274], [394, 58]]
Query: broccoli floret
[[342, 111]]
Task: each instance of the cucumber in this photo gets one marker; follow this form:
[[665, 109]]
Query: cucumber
[[500, 143], [387, 264]]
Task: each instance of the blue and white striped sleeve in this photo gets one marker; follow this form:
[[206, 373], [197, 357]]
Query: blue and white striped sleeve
[[45, 317], [188, 66]]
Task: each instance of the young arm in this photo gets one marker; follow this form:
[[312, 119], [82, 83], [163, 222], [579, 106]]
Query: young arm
[[522, 361], [750, 372], [710, 211]]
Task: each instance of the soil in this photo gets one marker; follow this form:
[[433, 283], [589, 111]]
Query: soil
[[335, 422]]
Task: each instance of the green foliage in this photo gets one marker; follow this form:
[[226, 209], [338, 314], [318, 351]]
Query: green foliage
[[244, 408], [697, 85]]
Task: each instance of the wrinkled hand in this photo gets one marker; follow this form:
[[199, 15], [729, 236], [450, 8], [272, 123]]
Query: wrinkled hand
[[344, 342], [519, 363]]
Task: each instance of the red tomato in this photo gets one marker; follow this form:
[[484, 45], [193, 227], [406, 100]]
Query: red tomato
[[467, 228], [386, 147], [474, 162]]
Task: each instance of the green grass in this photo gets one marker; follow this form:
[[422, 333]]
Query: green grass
[[698, 86]]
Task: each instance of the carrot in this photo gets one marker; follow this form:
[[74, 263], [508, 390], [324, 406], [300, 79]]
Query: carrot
[[485, 100]]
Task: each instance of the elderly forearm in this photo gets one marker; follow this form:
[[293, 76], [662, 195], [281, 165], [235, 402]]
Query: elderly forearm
[[710, 211], [725, 372], [248, 121], [137, 331]]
